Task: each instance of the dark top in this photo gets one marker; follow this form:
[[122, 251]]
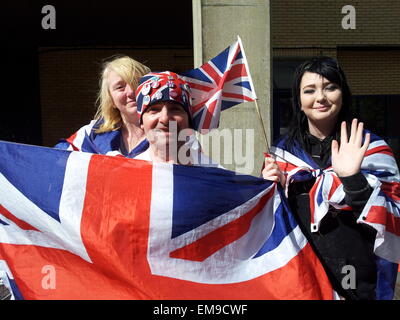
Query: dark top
[[340, 241]]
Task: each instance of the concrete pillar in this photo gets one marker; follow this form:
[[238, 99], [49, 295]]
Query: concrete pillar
[[216, 25]]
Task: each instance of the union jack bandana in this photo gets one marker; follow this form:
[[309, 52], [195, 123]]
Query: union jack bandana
[[162, 86], [382, 210]]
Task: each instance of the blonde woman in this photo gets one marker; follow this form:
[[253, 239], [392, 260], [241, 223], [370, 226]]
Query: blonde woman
[[115, 129]]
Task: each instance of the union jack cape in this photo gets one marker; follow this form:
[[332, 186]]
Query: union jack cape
[[87, 140], [382, 211], [219, 84], [75, 225]]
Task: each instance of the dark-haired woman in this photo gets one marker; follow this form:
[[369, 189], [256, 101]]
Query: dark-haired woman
[[342, 184]]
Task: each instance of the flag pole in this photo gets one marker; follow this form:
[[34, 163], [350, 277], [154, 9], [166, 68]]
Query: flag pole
[[262, 125], [253, 90]]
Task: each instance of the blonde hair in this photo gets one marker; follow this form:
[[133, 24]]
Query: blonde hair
[[130, 71]]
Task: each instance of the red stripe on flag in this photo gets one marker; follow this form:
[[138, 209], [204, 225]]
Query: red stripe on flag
[[312, 199], [238, 49], [71, 139], [211, 73], [221, 237], [380, 149], [335, 184], [78, 279], [199, 86], [379, 215], [392, 189], [198, 107], [115, 220], [236, 96], [236, 72], [209, 115], [285, 166], [22, 224]]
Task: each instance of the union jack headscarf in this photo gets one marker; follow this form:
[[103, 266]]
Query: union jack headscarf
[[382, 210], [162, 86]]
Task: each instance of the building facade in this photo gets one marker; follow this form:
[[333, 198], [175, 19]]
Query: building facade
[[60, 67]]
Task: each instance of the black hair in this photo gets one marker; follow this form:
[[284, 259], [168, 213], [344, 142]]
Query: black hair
[[328, 68]]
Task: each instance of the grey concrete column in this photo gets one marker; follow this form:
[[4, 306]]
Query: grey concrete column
[[216, 25]]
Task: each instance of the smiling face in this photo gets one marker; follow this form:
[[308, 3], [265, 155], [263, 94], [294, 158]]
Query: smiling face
[[122, 95], [156, 121], [321, 99]]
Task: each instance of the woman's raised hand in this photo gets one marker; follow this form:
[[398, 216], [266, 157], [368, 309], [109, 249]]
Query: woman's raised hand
[[347, 158]]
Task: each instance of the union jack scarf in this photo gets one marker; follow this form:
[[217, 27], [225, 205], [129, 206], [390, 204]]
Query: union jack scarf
[[109, 143], [381, 212]]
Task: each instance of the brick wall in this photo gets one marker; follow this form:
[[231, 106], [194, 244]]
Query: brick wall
[[69, 82], [304, 52], [306, 28], [315, 23], [372, 72]]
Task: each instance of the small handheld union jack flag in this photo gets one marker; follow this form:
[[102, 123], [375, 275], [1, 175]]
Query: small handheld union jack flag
[[219, 84]]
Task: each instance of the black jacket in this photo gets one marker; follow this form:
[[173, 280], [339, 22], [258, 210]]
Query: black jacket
[[340, 241]]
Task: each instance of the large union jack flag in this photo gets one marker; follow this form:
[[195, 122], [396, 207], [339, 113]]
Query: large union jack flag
[[219, 84], [105, 227], [381, 212]]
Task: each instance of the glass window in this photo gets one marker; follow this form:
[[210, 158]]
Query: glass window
[[381, 114], [283, 72]]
